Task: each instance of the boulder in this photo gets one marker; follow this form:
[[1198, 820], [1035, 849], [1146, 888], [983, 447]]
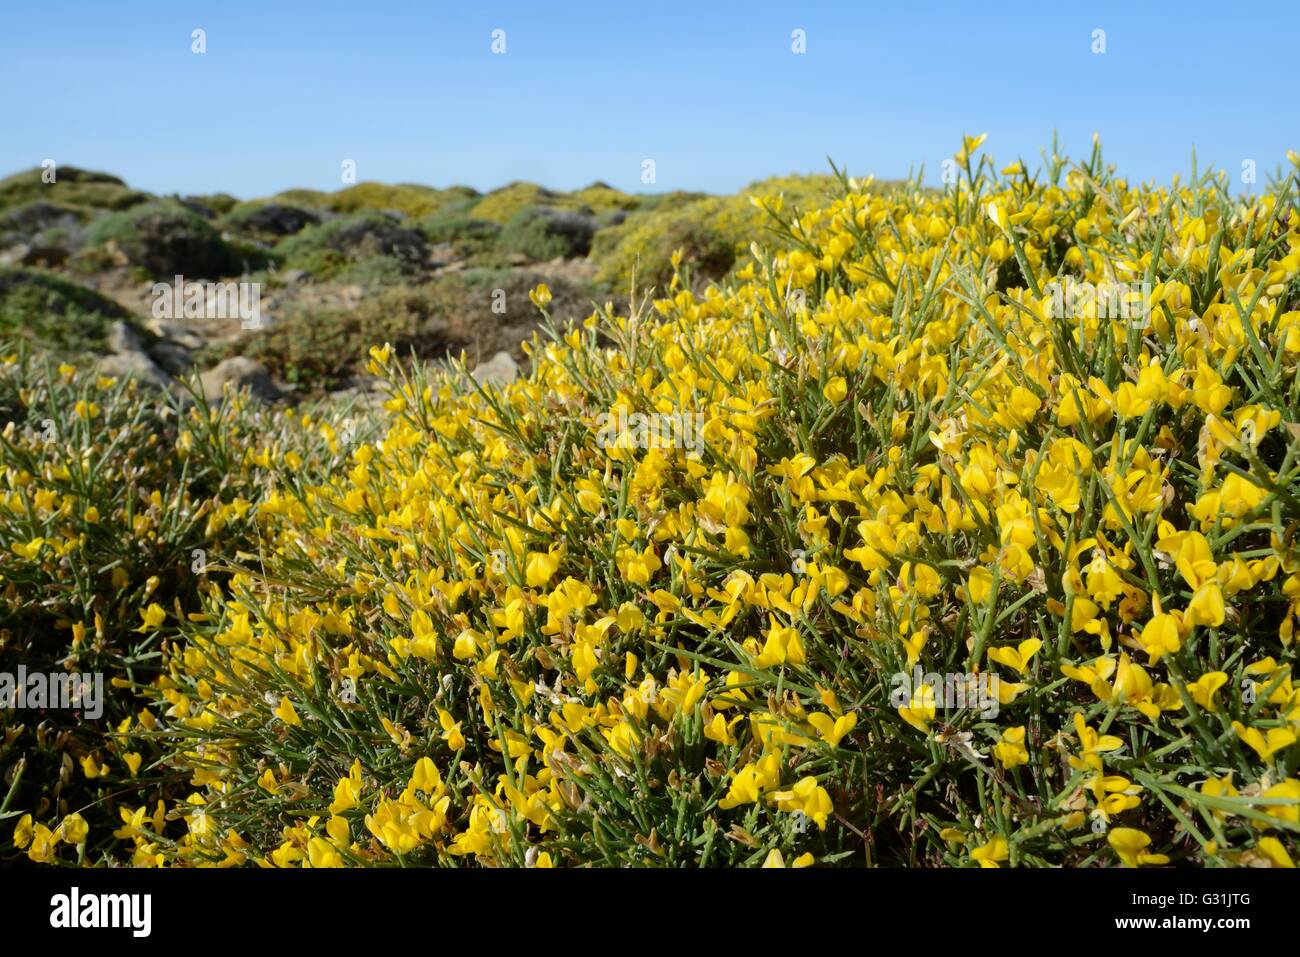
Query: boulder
[[128, 358], [501, 369], [135, 365], [238, 372]]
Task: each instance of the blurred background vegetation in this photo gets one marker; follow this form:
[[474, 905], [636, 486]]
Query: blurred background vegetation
[[437, 271]]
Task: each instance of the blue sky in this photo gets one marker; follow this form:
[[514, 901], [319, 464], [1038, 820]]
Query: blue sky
[[710, 91]]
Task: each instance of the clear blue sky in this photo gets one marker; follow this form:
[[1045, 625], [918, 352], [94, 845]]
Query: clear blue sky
[[710, 91]]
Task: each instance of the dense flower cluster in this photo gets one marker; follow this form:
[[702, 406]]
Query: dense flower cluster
[[115, 501], [710, 232], [492, 636]]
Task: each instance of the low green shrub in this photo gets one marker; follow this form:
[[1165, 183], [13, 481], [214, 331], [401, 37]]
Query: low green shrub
[[55, 315], [71, 187], [542, 233], [346, 249], [163, 238]]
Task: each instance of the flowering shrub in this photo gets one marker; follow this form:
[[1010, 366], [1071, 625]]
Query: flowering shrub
[[712, 231], [502, 205], [499, 635], [119, 507]]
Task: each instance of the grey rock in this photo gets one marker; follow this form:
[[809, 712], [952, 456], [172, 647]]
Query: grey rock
[[501, 369], [136, 366], [122, 338], [172, 356], [238, 372], [176, 332], [127, 357]]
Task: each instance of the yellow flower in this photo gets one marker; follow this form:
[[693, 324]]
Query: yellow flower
[[1010, 750], [630, 619], [153, 617], [132, 821], [969, 144], [1204, 688], [1265, 744], [540, 567], [451, 732], [1131, 844], [321, 853], [1289, 792], [979, 585], [1275, 852], [28, 550], [1017, 658], [91, 767], [1206, 606], [1160, 635], [808, 797], [426, 777], [347, 791], [286, 713], [1092, 745], [992, 853], [719, 729], [73, 829], [1219, 787], [638, 567], [43, 843], [836, 389], [1094, 674], [540, 296], [23, 832], [751, 780], [622, 738], [833, 730], [783, 646], [919, 711]]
